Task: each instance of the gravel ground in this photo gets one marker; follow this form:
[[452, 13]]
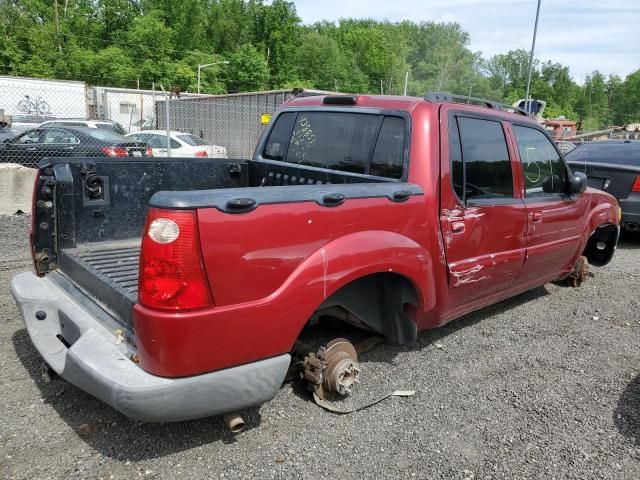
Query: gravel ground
[[545, 385]]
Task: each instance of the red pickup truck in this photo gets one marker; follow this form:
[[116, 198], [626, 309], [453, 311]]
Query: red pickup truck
[[176, 288]]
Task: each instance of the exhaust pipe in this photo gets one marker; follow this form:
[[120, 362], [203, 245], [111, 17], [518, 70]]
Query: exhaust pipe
[[234, 422]]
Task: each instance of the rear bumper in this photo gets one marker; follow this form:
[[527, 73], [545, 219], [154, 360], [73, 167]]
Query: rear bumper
[[95, 363], [631, 212]]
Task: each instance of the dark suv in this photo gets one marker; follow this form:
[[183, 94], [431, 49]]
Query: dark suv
[[613, 166]]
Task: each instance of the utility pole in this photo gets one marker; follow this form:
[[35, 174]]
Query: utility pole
[[167, 119], [406, 81], [381, 91], [527, 103]]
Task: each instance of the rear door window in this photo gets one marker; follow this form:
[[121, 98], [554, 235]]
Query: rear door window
[[545, 173], [58, 136], [486, 172], [388, 156], [349, 142]]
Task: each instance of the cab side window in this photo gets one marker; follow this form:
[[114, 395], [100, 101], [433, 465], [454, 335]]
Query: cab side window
[[545, 173], [57, 136], [480, 164]]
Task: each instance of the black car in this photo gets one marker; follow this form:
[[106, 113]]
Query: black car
[[613, 166], [34, 145], [6, 133]]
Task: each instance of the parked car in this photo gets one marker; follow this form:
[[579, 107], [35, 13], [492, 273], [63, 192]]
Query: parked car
[[34, 145], [22, 123], [78, 122], [614, 167], [182, 144], [174, 289]]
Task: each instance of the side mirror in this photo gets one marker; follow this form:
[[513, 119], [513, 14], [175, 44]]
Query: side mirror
[[578, 183]]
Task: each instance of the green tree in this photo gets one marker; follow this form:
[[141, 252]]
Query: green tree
[[322, 64], [625, 100], [247, 70], [123, 42]]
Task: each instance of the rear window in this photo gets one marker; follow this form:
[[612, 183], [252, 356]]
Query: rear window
[[105, 135], [349, 142], [615, 153], [192, 140]]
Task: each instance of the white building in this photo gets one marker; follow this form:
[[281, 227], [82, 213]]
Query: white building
[[69, 99], [37, 96], [128, 107]]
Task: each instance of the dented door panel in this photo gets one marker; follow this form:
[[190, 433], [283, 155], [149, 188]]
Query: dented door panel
[[488, 253]]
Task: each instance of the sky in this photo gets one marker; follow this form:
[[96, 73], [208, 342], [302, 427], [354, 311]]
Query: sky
[[584, 35]]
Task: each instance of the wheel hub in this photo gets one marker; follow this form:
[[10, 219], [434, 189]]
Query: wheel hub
[[334, 368]]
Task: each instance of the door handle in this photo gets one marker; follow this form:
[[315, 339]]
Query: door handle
[[68, 148], [457, 227], [536, 217]]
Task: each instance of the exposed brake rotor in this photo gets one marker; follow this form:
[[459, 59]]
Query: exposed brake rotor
[[334, 368], [579, 273]]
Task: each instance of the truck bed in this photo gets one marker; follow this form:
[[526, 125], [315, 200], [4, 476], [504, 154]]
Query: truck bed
[[90, 233], [108, 271]]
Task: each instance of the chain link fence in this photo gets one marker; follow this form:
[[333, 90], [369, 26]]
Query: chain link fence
[[42, 118]]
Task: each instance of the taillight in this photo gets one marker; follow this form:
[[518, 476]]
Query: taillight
[[636, 185], [172, 275], [201, 153], [148, 152], [115, 151]]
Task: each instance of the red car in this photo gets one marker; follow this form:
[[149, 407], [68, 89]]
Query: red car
[[176, 288]]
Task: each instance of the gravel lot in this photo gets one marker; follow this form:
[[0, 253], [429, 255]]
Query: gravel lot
[[546, 385]]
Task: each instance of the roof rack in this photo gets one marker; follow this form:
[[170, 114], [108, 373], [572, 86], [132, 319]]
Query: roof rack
[[452, 98]]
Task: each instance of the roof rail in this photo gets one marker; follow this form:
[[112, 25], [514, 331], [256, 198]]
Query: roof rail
[[452, 98]]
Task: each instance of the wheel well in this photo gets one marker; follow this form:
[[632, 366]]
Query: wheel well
[[601, 245], [384, 302]]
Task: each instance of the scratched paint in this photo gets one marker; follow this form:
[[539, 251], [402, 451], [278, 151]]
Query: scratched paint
[[468, 275]]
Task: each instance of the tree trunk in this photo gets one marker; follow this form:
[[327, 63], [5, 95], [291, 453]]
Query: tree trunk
[[57, 19]]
